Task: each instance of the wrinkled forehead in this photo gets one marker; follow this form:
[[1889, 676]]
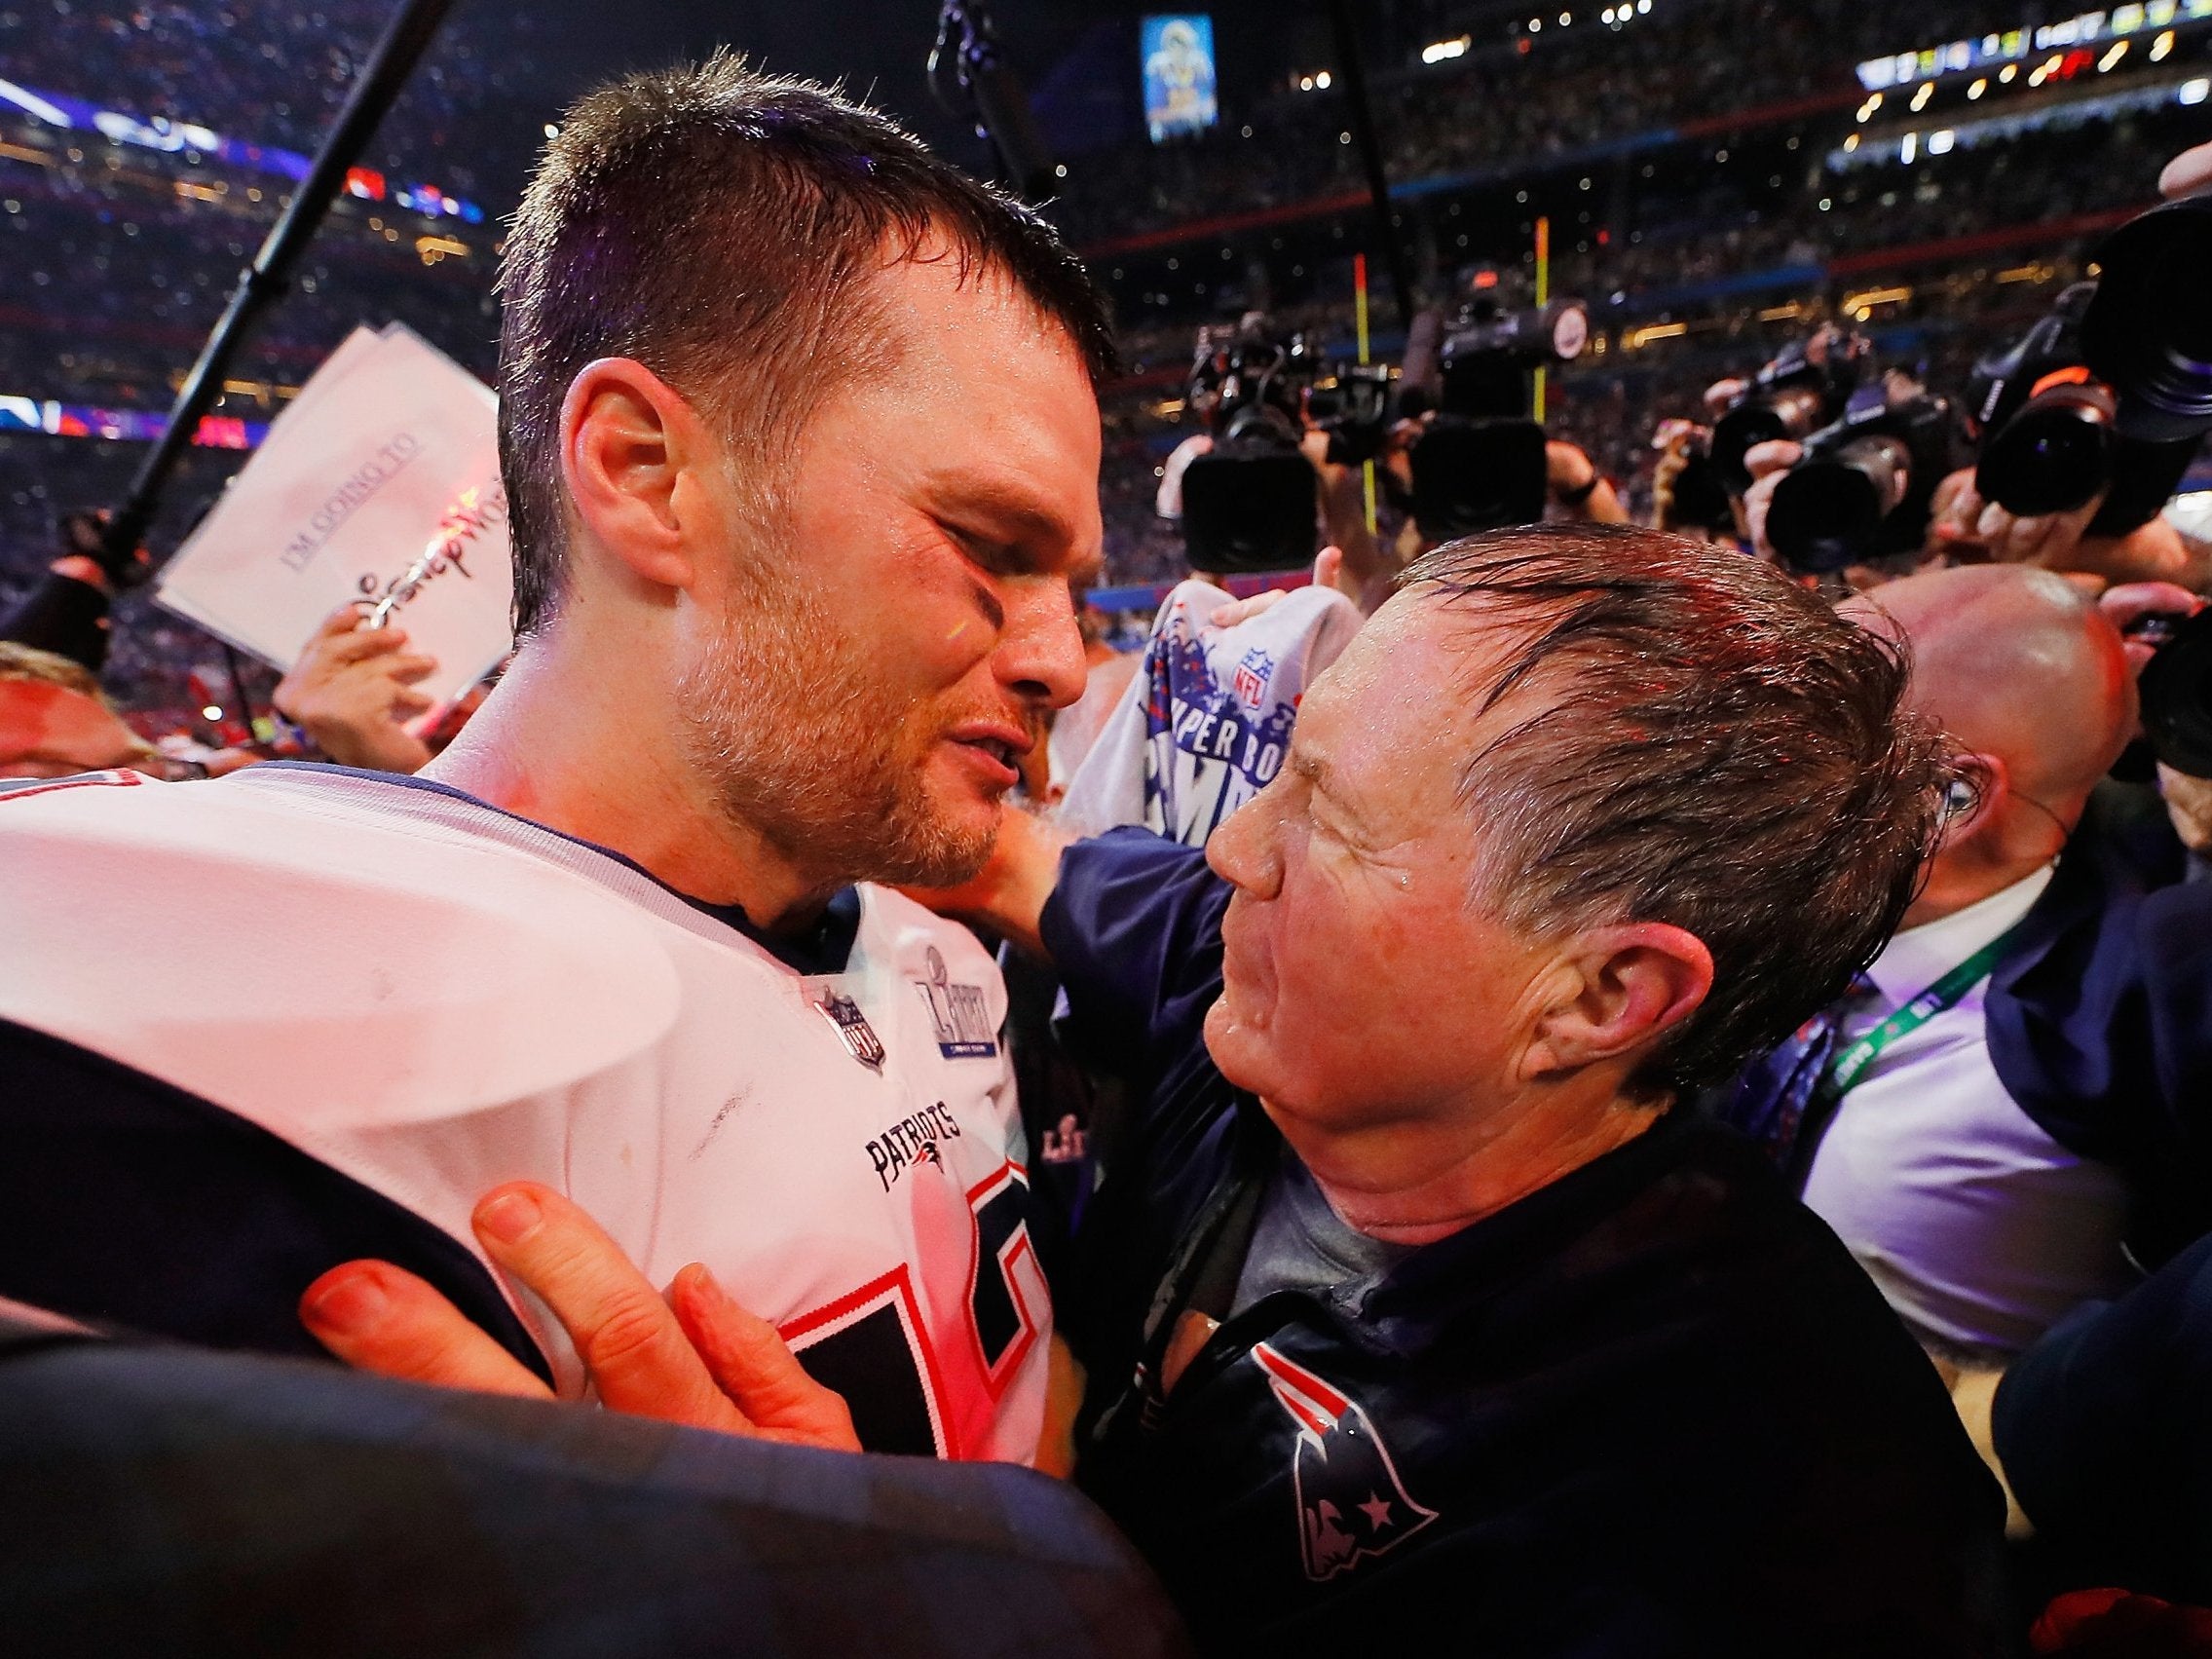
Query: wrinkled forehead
[[1415, 700]]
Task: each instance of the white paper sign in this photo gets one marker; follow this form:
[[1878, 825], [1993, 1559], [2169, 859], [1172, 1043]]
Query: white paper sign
[[380, 484]]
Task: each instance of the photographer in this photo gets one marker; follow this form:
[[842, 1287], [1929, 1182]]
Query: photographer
[[1475, 458], [67, 611]]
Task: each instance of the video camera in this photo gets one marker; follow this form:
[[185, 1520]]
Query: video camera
[[1479, 462], [1864, 486], [1807, 387], [1249, 504]]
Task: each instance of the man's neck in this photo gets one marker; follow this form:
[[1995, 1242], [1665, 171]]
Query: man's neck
[[1392, 1184], [603, 764]]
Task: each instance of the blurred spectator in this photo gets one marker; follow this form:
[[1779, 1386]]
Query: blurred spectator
[[1982, 1222], [53, 721]]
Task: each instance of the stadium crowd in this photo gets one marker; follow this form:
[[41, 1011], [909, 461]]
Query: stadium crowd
[[1584, 1028]]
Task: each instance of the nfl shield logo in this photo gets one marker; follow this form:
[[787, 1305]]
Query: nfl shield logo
[[1251, 677], [860, 1039]]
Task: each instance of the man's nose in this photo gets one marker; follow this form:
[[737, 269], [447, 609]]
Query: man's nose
[[1040, 655], [1245, 850]]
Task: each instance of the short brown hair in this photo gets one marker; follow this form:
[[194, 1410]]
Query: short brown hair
[[715, 224], [1725, 754]]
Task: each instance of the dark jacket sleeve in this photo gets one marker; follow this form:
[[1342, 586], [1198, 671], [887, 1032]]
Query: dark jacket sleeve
[[2102, 1431], [63, 616], [170, 1501], [1135, 930], [128, 1201], [2100, 1027]]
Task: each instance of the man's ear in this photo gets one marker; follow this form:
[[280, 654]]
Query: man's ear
[[630, 449], [1975, 799], [1621, 989]]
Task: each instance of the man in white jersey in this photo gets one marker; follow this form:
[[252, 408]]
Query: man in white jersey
[[797, 427]]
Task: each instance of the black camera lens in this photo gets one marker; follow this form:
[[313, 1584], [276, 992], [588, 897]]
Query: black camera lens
[[1789, 412], [2177, 697], [2148, 330], [1828, 513], [1736, 434], [2052, 456]]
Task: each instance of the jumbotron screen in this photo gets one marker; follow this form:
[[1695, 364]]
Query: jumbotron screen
[[1178, 52]]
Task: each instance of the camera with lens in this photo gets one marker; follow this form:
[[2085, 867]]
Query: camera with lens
[[2147, 334], [1865, 483], [1807, 387], [1248, 504], [1479, 462], [2052, 438]]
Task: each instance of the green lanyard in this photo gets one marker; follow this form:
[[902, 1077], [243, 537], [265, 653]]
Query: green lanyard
[[1849, 1068]]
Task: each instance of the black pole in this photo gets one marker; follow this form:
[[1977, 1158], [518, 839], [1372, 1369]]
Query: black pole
[[238, 686], [261, 283], [1353, 71]]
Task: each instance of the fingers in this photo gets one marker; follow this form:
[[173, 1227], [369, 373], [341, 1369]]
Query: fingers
[[343, 621], [1329, 571], [622, 1330], [1243, 610], [381, 1318], [410, 668], [2133, 601], [753, 1366], [1777, 455], [363, 644]]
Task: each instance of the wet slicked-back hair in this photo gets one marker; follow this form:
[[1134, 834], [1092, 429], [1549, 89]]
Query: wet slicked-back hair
[[1721, 752], [719, 226]]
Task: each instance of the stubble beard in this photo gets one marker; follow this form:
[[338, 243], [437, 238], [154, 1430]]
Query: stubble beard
[[806, 749]]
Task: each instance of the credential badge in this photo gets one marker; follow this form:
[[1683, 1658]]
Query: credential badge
[[959, 1013], [860, 1039]]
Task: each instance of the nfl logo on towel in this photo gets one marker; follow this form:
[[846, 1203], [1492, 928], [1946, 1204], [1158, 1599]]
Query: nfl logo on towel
[[1253, 672]]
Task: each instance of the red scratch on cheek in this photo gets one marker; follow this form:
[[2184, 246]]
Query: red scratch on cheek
[[958, 628]]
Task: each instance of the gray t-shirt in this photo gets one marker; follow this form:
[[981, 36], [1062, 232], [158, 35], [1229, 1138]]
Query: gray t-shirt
[[1299, 1243]]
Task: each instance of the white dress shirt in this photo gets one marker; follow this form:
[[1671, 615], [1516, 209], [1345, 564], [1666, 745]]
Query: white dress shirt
[[1979, 1228]]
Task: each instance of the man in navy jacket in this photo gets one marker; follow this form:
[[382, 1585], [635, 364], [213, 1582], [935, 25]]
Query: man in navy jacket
[[1412, 1315]]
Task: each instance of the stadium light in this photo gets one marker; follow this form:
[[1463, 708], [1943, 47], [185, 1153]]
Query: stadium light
[[1977, 88], [1321, 80], [2161, 45], [1921, 98], [1535, 25], [1908, 147], [210, 713], [1941, 141], [1436, 51], [2194, 92], [2113, 56]]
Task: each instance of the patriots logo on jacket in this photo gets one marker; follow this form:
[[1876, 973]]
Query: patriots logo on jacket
[[1351, 1503]]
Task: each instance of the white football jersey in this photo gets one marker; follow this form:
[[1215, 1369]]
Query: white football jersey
[[432, 996]]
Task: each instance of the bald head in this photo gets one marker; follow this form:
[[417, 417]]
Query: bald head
[[2015, 663]]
